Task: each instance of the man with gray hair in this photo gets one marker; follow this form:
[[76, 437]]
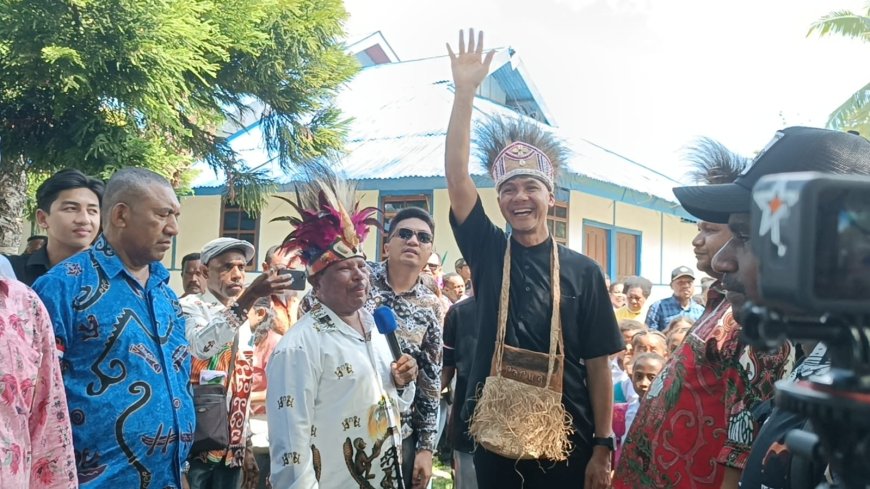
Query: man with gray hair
[[454, 287], [120, 336]]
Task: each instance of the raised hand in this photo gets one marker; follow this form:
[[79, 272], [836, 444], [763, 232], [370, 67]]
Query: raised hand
[[469, 66], [269, 283]]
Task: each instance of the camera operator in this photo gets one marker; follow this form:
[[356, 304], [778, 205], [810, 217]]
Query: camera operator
[[793, 149], [709, 387]]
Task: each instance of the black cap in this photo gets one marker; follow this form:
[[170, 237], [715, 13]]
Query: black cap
[[793, 149], [682, 272]]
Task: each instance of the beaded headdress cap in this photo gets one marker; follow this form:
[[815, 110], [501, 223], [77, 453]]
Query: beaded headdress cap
[[512, 147], [330, 226]]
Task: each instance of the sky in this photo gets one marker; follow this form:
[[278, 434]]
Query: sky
[[644, 78]]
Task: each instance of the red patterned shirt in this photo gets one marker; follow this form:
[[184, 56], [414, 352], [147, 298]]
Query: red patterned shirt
[[696, 417]]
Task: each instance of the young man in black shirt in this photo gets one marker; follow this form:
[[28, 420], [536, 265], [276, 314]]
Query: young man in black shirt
[[68, 211], [524, 180], [460, 342]]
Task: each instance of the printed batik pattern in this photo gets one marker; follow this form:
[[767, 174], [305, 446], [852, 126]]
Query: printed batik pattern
[[210, 329], [420, 320], [125, 366], [333, 411], [696, 417]]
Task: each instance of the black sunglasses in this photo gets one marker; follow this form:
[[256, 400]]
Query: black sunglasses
[[422, 236]]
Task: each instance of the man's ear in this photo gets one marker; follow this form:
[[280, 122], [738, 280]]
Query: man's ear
[[203, 270], [314, 280], [551, 201], [386, 248], [41, 218], [119, 215]]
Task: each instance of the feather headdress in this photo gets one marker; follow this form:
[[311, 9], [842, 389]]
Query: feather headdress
[[330, 226], [513, 147], [713, 163]]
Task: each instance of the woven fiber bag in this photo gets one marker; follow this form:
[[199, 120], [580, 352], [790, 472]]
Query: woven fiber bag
[[519, 413]]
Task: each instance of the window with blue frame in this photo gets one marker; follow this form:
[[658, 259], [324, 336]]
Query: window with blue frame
[[238, 224], [615, 249], [557, 222]]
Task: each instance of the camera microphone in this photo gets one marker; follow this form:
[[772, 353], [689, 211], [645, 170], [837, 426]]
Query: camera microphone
[[385, 320]]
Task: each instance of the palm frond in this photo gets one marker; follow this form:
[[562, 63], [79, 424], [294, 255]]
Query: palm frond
[[855, 111], [843, 23]]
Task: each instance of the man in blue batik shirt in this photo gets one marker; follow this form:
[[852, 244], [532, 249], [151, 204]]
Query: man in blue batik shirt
[[680, 304], [119, 329]]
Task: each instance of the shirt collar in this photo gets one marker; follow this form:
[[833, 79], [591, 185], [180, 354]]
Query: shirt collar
[[541, 247], [342, 327], [105, 255], [39, 259], [715, 290], [210, 298], [381, 274]]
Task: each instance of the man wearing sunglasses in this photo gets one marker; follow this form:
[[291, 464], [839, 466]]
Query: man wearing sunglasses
[[396, 283]]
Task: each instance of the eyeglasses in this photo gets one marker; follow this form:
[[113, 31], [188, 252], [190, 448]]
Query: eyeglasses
[[422, 236]]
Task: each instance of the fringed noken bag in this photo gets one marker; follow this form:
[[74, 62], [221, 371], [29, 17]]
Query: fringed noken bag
[[519, 413]]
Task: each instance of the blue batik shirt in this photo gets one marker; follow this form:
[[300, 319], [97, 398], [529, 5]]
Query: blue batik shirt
[[126, 369], [661, 313]]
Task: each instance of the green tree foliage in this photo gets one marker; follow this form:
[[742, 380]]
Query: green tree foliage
[[102, 84], [854, 113]]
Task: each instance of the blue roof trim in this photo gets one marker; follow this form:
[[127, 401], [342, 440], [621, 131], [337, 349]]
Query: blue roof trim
[[517, 84], [579, 183], [512, 84]]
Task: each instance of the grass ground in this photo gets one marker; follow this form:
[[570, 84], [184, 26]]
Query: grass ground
[[441, 478]]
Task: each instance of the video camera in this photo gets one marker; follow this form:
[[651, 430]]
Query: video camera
[[811, 235]]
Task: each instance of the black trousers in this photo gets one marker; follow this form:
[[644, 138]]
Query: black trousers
[[409, 453], [497, 472]]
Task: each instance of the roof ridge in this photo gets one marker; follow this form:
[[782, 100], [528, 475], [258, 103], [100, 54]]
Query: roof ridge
[[426, 58], [641, 165]]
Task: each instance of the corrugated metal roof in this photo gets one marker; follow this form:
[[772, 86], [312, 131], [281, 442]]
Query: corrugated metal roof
[[400, 113]]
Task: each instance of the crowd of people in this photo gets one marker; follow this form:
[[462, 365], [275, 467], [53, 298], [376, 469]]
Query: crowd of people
[[525, 366]]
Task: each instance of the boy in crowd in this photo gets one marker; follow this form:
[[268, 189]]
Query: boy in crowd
[[620, 365], [645, 369], [646, 342]]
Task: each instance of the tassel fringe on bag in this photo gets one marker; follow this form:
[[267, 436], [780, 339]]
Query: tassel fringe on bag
[[519, 413]]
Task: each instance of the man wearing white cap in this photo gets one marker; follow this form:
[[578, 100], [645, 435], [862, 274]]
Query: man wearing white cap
[[662, 312], [213, 321]]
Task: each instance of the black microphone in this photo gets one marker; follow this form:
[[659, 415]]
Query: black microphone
[[385, 319]]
